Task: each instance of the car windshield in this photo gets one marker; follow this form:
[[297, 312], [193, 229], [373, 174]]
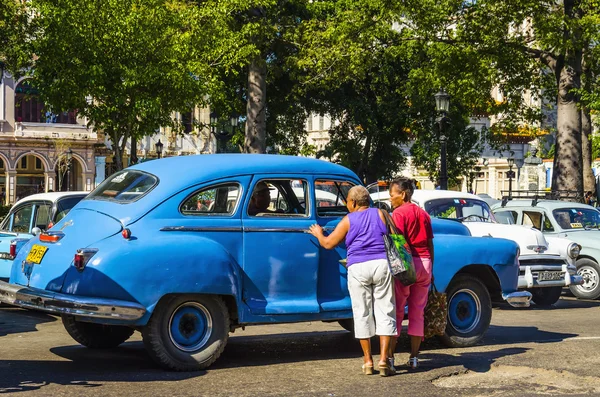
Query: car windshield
[[464, 209], [125, 186], [577, 218]]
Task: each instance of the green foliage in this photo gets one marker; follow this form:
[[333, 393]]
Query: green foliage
[[595, 147], [126, 65], [16, 30]]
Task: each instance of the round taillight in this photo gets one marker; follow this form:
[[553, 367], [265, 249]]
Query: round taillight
[[126, 233]]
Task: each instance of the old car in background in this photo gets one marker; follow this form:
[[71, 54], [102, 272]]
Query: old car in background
[[187, 274], [28, 217], [546, 266], [563, 220]]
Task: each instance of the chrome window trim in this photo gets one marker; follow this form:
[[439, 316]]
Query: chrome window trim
[[208, 214]]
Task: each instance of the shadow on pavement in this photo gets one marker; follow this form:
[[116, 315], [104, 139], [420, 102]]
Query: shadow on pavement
[[86, 367], [130, 362], [15, 320], [562, 304]]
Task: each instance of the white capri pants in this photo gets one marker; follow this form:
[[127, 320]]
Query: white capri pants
[[371, 288]]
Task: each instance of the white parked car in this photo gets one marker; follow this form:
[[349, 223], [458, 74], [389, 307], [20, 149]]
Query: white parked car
[[546, 265]]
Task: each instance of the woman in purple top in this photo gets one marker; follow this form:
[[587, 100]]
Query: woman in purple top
[[370, 283]]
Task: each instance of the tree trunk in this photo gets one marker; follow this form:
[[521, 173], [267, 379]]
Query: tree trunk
[[589, 182], [133, 158], [364, 161], [256, 123], [117, 158], [568, 170]]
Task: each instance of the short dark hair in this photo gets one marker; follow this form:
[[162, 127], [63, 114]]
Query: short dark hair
[[404, 185]]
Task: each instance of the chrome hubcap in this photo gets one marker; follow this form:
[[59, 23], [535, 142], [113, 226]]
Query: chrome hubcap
[[590, 278]]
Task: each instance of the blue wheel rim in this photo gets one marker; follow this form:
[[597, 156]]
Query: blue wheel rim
[[464, 311], [190, 326]]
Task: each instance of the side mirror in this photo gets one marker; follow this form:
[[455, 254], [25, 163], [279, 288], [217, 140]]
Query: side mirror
[[36, 231]]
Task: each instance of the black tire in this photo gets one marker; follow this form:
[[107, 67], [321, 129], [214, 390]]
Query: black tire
[[469, 311], [187, 332], [590, 289], [96, 336], [545, 296], [347, 324]]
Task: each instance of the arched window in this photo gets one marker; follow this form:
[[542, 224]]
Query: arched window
[[30, 109]]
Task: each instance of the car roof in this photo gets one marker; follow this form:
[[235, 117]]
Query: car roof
[[181, 172], [52, 196], [423, 195], [545, 204]]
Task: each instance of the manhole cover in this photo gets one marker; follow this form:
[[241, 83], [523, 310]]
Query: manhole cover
[[503, 379]]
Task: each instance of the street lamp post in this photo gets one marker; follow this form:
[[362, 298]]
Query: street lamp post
[[159, 148], [511, 175], [69, 159], [222, 133], [442, 105]]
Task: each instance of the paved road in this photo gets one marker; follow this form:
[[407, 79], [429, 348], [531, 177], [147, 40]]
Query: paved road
[[525, 352]]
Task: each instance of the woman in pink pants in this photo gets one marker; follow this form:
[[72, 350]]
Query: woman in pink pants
[[415, 224]]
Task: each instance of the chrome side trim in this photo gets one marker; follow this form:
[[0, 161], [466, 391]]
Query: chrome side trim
[[276, 229], [57, 303], [200, 229]]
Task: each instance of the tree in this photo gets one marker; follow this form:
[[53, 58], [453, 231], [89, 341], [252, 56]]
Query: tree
[[125, 65], [523, 39], [15, 36]]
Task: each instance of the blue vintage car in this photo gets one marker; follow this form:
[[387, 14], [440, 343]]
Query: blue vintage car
[[188, 249], [28, 217]]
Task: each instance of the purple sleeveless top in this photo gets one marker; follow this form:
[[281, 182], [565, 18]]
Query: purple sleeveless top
[[364, 240]]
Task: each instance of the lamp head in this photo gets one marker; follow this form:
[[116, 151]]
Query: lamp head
[[510, 161], [442, 101], [159, 147]]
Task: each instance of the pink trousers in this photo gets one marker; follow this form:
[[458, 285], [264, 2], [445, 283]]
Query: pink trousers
[[415, 296]]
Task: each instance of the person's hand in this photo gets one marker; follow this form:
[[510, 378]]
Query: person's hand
[[315, 230]]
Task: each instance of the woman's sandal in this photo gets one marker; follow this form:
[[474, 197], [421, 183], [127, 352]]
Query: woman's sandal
[[413, 363], [367, 369], [385, 370]]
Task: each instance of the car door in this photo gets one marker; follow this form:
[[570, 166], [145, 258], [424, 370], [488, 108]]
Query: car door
[[332, 286], [280, 260]]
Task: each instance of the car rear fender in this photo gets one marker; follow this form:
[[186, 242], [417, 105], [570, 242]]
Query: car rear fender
[[144, 271]]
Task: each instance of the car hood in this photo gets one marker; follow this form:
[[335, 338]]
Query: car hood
[[523, 235], [585, 238]]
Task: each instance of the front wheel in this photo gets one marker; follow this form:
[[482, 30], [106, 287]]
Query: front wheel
[[469, 311], [187, 333], [96, 336], [545, 296], [590, 271], [347, 324]]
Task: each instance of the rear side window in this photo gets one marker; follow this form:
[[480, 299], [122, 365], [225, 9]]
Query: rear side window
[[506, 217], [125, 186], [216, 200], [64, 206]]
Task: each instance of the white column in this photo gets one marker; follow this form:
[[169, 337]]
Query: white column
[[11, 177]]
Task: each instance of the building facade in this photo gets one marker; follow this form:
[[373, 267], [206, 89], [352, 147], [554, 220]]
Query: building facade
[[41, 151]]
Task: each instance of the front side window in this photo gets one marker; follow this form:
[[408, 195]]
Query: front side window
[[462, 209], [215, 200], [577, 218], [125, 186], [279, 198], [331, 197], [21, 219]]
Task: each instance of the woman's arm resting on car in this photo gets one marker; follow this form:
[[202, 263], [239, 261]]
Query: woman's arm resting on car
[[336, 237]]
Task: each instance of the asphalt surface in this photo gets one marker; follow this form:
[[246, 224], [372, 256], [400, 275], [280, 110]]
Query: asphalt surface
[[531, 351]]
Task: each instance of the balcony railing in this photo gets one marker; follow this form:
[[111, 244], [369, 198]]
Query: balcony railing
[[54, 131]]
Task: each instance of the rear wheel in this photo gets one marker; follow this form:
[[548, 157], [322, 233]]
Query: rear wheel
[[469, 311], [187, 333], [545, 296], [590, 271], [96, 336]]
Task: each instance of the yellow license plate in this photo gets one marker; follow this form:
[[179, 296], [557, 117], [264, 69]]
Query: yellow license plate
[[36, 254]]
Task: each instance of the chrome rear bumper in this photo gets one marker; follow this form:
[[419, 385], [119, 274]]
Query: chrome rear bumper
[[518, 298], [57, 303]]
